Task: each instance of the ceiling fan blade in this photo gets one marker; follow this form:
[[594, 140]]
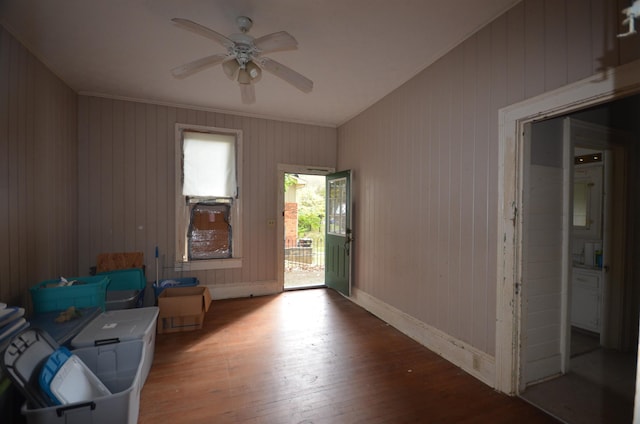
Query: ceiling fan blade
[[299, 81], [278, 41], [198, 65], [248, 93], [204, 31]]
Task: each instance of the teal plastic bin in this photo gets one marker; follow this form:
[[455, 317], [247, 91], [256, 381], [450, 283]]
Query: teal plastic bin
[[125, 279], [86, 292], [126, 288]]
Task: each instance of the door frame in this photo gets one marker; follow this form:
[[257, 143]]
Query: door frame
[[284, 168], [600, 88]]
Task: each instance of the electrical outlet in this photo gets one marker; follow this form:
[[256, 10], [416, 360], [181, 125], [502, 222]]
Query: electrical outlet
[[271, 222]]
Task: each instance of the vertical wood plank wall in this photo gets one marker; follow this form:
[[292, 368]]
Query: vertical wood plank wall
[[126, 183], [425, 159], [542, 315], [543, 239], [38, 174]]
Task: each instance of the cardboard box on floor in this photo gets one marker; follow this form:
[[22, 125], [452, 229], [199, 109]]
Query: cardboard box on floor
[[182, 309]]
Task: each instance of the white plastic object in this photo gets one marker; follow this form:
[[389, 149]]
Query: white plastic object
[[632, 13], [75, 382]]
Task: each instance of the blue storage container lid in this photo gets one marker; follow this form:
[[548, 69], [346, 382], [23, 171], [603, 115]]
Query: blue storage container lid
[[66, 379], [10, 314], [49, 370]]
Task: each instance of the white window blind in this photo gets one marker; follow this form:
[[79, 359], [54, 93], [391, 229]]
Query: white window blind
[[209, 167]]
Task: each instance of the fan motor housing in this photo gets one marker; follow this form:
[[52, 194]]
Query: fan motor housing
[[244, 23]]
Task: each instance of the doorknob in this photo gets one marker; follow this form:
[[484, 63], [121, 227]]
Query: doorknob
[[349, 237], [347, 241]]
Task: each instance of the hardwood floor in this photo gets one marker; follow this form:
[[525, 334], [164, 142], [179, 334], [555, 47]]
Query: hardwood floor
[[311, 357]]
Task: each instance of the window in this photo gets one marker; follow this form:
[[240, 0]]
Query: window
[[208, 181], [337, 209]]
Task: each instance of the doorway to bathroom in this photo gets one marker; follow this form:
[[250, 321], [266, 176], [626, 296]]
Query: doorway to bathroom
[[579, 335]]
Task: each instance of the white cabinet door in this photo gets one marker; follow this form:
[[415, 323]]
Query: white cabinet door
[[585, 300]]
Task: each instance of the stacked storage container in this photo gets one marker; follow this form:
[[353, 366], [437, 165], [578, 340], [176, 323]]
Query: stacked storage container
[[121, 326], [118, 366], [112, 356]]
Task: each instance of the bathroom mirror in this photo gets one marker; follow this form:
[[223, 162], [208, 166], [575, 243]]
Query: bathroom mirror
[[581, 216], [587, 202]]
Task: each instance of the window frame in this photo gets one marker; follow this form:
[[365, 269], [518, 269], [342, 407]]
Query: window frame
[[182, 207]]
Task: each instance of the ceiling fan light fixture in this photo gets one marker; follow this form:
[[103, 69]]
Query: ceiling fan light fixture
[[244, 77], [244, 61], [254, 71], [231, 68]]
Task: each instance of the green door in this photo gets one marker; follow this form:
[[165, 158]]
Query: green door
[[338, 246]]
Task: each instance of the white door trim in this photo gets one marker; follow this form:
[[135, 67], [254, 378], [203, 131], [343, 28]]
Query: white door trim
[[599, 88]]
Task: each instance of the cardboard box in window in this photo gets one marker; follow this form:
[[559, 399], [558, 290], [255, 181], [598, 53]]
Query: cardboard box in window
[[204, 219], [209, 244], [209, 232], [182, 309]]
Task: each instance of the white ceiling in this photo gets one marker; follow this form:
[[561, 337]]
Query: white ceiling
[[355, 51]]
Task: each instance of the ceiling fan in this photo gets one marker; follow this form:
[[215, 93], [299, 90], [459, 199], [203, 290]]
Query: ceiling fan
[[244, 61]]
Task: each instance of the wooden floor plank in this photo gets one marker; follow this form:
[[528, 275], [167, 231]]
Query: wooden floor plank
[[311, 357]]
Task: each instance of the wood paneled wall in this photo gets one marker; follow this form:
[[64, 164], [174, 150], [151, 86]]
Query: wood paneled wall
[[38, 174], [126, 183], [425, 159]]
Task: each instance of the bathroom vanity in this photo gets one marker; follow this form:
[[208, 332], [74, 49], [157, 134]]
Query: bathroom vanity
[[586, 298]]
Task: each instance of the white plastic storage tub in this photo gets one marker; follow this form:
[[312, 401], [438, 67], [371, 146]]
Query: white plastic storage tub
[[123, 325], [22, 362], [119, 367]]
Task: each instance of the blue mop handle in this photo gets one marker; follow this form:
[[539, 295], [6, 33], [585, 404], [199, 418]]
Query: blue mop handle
[[156, 266]]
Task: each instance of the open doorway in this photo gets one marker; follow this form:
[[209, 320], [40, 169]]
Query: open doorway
[[578, 337], [304, 215], [617, 86]]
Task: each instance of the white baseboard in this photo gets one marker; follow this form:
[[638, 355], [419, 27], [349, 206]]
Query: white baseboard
[[477, 363], [235, 290]]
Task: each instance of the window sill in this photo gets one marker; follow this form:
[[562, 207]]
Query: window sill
[[208, 264]]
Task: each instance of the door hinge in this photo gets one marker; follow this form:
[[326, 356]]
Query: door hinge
[[516, 288]]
